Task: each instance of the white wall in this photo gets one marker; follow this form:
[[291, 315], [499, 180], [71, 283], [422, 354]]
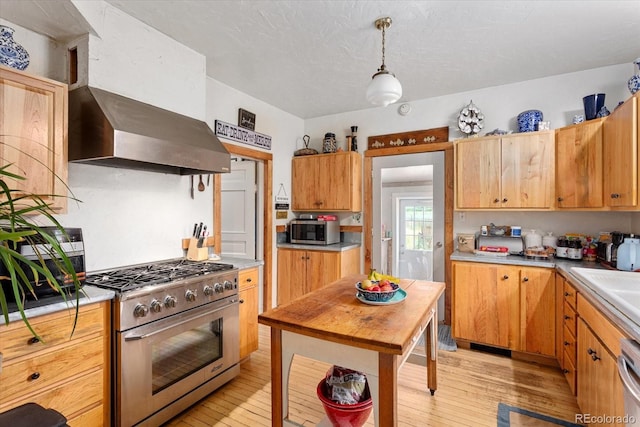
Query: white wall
[[558, 97]]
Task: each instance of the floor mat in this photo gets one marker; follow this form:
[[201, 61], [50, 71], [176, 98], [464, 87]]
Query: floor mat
[[445, 340], [512, 416]]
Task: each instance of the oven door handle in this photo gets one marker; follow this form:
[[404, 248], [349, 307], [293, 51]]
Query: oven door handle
[[173, 325]]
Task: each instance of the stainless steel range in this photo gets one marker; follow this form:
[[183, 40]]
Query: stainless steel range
[[175, 340]]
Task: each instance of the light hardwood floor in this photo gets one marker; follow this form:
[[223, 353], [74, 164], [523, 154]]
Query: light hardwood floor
[[470, 386]]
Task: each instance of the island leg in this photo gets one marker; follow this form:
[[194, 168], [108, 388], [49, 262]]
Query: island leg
[[431, 350], [387, 390], [277, 403]]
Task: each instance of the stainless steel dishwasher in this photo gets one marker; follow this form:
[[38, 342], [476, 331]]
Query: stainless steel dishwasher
[[629, 370]]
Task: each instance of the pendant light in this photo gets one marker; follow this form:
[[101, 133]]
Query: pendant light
[[384, 88]]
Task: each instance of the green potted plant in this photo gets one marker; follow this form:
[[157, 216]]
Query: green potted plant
[[18, 225]]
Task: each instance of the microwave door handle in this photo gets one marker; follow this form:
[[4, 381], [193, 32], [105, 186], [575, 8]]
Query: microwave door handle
[[629, 384], [173, 325]]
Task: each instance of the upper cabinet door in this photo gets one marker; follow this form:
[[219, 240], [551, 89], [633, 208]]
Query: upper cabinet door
[[579, 165], [478, 171], [33, 119], [621, 156], [527, 170]]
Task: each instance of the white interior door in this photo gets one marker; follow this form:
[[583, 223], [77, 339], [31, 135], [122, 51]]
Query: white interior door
[[239, 210]]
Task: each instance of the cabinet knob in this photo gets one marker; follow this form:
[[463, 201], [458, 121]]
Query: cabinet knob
[[560, 199], [505, 200], [34, 376], [565, 371], [496, 200], [615, 195], [566, 294], [591, 351], [505, 277], [33, 340], [241, 301], [567, 343], [525, 279], [248, 279], [567, 317], [595, 357]]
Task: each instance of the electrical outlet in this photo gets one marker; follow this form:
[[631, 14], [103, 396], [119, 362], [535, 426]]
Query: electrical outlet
[[461, 216]]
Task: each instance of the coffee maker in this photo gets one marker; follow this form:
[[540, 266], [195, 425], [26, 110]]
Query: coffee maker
[[617, 238]]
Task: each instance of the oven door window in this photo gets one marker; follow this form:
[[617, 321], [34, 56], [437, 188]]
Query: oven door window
[[179, 356]]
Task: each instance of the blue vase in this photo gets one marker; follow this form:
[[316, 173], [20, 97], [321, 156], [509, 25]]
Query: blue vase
[[593, 104], [11, 53], [528, 120], [634, 81]]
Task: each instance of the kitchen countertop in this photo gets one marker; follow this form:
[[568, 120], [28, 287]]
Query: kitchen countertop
[[92, 295], [336, 247], [563, 266], [95, 294]]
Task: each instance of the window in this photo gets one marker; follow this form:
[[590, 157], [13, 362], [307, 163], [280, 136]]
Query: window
[[418, 223]]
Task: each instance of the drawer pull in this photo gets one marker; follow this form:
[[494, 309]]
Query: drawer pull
[[615, 195], [34, 376], [567, 294], [505, 200], [560, 199], [567, 317], [241, 301], [505, 277], [33, 340], [595, 357], [591, 351], [496, 200], [567, 343], [565, 371], [248, 279], [526, 279]]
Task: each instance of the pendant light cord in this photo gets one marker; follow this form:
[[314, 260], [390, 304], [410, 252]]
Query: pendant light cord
[[384, 26]]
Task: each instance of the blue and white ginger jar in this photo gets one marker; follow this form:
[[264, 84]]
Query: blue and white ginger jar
[[528, 120], [634, 81], [11, 53]]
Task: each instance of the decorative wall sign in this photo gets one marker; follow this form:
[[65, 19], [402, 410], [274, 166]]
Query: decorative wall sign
[[246, 136], [416, 137], [246, 119], [282, 199]]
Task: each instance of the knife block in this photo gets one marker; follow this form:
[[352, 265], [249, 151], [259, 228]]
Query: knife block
[[194, 253]]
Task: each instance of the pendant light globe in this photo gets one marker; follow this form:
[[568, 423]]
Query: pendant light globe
[[384, 89]]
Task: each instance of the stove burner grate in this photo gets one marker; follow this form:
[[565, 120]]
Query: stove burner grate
[[133, 277]]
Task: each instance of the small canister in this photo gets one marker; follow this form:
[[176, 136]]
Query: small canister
[[516, 231], [575, 249], [563, 247], [329, 143], [550, 241]]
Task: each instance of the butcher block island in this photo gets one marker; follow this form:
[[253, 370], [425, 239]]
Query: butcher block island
[[332, 325]]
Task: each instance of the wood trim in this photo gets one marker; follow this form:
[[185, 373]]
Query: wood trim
[[447, 147], [351, 229], [281, 228], [267, 160], [413, 138]]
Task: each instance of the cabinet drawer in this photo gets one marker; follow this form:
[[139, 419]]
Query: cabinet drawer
[[247, 278], [35, 374], [570, 294], [70, 399], [93, 417], [601, 326], [569, 370], [569, 318], [569, 344], [16, 340]]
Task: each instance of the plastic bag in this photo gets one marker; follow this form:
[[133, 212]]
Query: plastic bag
[[346, 386]]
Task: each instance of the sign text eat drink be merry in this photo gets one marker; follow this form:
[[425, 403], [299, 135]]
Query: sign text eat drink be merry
[[246, 136]]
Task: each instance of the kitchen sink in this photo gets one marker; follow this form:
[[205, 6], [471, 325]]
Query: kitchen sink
[[620, 288]]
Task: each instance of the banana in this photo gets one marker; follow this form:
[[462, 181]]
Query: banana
[[374, 275]]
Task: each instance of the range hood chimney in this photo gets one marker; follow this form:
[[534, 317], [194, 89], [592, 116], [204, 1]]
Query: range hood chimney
[[111, 130]]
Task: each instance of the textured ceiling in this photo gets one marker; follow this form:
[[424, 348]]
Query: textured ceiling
[[313, 58]]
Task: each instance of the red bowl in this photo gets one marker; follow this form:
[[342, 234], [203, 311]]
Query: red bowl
[[344, 415]]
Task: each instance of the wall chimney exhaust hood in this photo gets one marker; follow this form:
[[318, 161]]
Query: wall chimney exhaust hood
[[111, 130]]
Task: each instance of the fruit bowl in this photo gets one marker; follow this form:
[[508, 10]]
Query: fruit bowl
[[377, 296]]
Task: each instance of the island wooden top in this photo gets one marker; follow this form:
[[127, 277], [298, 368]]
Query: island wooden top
[[333, 313]]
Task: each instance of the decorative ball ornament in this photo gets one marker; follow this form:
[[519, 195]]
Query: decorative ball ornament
[[470, 120]]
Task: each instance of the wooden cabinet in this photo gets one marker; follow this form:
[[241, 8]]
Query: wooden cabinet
[[33, 136], [302, 271], [621, 156], [327, 182], [579, 166], [508, 172], [248, 293], [70, 375], [599, 387], [504, 306], [566, 329]]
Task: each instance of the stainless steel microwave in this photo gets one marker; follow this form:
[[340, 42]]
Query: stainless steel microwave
[[314, 232]]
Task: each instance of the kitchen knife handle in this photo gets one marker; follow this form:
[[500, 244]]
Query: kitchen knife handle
[[195, 228]]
